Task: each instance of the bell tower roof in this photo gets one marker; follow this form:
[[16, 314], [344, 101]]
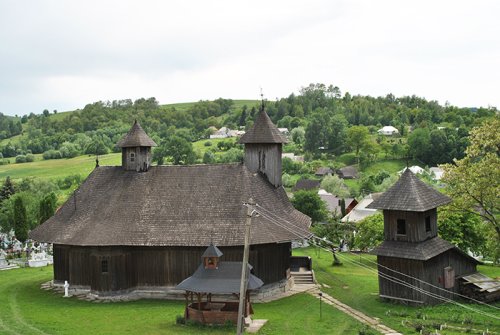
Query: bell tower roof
[[136, 137], [212, 251], [263, 131], [410, 194]]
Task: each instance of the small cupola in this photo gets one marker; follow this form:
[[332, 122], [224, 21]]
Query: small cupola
[[263, 147], [211, 257], [136, 149]]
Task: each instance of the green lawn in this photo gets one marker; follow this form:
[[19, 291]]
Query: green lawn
[[358, 287], [26, 309], [57, 168]]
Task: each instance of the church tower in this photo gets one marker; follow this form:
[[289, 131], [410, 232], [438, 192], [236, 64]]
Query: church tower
[[263, 148], [136, 149]]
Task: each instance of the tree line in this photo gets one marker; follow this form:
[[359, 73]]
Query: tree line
[[321, 120]]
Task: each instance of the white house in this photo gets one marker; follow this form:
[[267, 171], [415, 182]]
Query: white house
[[388, 130], [415, 169], [437, 171]]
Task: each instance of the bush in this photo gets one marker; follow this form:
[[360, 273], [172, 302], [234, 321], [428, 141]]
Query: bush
[[180, 320], [20, 159], [68, 181], [207, 144], [52, 154], [30, 158]]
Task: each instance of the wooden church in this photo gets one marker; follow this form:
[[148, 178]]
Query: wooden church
[[138, 226], [412, 252]]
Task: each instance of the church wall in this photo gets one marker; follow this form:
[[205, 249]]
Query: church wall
[[129, 267]]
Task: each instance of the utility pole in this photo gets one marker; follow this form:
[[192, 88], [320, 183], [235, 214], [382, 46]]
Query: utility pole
[[244, 269]]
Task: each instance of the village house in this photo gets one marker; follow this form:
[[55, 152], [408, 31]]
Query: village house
[[348, 172], [138, 226], [333, 203], [361, 210], [388, 131]]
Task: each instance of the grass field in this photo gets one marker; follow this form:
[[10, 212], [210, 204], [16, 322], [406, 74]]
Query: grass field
[[26, 309], [358, 287], [57, 168]]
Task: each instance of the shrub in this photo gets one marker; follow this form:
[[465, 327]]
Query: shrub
[[207, 144], [30, 158], [20, 159], [52, 154], [180, 320], [67, 182]]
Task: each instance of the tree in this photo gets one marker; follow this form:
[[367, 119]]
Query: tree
[[357, 137], [208, 157], [419, 143], [20, 220], [370, 232], [180, 150], [325, 131], [47, 207], [336, 186], [7, 189], [474, 181], [298, 135], [310, 203], [462, 229]]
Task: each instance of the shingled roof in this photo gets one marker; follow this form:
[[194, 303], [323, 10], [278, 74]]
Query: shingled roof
[[263, 131], [225, 279], [421, 251], [171, 206], [136, 137], [410, 194]]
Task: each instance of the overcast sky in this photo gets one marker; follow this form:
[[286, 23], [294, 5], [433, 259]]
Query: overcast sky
[[64, 54]]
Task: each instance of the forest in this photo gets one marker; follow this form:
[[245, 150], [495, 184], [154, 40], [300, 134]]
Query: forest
[[318, 118]]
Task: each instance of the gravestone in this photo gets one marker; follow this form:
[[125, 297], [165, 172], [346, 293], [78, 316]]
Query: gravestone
[[4, 265], [3, 261], [39, 259]]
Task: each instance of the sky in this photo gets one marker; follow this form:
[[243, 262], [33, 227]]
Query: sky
[[64, 54]]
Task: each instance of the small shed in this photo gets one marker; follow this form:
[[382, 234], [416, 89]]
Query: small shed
[[215, 277], [305, 184], [348, 172], [323, 171]]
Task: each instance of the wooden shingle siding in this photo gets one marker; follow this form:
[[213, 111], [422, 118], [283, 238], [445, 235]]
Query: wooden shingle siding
[[415, 225], [130, 267], [265, 158]]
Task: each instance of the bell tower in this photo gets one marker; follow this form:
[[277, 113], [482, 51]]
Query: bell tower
[[136, 149], [263, 148], [410, 209]]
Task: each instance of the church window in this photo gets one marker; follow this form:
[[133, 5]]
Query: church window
[[104, 266], [401, 227]]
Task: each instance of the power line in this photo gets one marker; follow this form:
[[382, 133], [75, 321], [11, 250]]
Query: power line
[[403, 274], [381, 274], [416, 288]]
